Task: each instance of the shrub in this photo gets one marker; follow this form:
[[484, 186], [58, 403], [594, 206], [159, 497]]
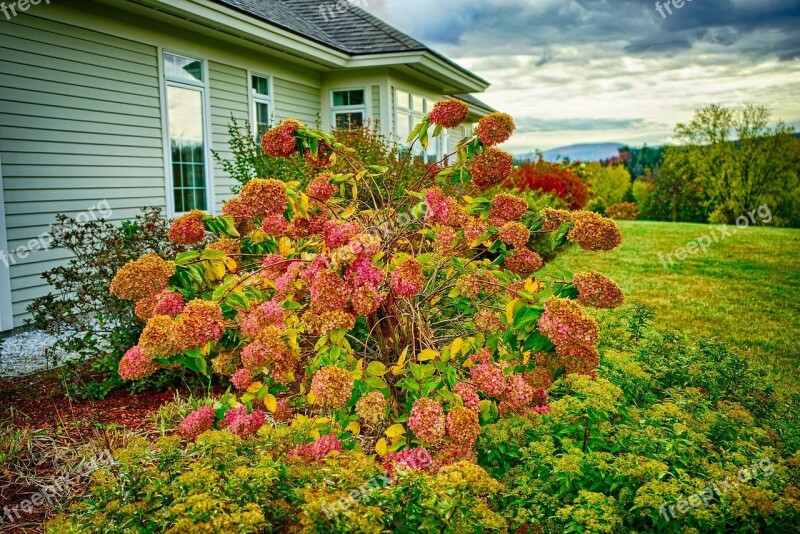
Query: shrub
[[608, 185], [87, 318], [562, 181], [624, 211], [311, 300]]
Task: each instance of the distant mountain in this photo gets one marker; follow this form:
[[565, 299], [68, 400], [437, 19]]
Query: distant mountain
[[580, 152]]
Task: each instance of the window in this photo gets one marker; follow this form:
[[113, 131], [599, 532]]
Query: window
[[409, 111], [185, 96], [349, 108], [262, 105]]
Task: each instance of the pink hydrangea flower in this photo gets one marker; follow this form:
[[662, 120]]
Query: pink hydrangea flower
[[338, 234], [407, 278], [242, 379], [135, 365], [363, 273], [318, 449], [449, 113], [243, 424], [169, 303], [427, 421], [196, 423], [469, 396], [418, 458], [489, 379]]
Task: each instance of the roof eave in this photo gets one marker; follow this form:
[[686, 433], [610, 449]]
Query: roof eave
[[452, 77]]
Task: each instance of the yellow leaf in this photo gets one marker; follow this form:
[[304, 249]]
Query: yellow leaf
[[398, 368], [468, 363], [218, 269], [455, 347], [467, 199], [427, 354], [360, 175], [315, 434], [526, 356], [254, 387], [346, 214], [312, 399], [259, 236], [271, 402], [532, 286], [230, 263], [434, 300], [395, 430], [511, 308], [354, 427], [381, 448], [285, 247]]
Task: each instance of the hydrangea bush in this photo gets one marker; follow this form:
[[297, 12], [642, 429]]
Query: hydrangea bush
[[402, 323]]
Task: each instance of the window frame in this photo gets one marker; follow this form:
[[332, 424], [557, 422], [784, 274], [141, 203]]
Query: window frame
[[254, 99], [204, 90], [415, 118], [348, 109]]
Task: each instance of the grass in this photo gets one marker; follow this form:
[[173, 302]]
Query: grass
[[745, 290]]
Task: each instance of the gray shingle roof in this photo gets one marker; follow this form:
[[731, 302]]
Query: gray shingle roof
[[472, 101], [354, 31]]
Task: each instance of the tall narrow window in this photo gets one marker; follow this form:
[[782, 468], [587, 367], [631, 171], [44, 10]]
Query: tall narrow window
[[262, 105], [185, 92], [349, 108], [409, 111]]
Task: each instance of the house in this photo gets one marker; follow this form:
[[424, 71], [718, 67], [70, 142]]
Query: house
[[110, 105]]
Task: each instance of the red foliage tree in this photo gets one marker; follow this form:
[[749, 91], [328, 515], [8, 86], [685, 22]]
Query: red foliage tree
[[552, 178]]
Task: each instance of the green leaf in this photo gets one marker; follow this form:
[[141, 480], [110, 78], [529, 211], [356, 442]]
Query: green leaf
[[186, 257], [559, 237], [212, 254], [376, 369]]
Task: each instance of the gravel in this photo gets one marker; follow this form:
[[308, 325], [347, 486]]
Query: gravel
[[27, 353]]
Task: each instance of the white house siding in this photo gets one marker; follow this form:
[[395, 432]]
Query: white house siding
[[376, 104], [229, 97], [296, 100], [79, 124]]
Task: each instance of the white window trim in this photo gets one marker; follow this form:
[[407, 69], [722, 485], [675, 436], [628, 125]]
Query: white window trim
[[252, 99], [348, 109], [416, 117], [205, 91], [6, 311]]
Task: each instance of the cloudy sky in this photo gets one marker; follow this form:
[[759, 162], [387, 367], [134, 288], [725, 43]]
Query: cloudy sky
[[574, 71]]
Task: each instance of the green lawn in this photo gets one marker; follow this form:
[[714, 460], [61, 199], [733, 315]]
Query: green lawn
[[745, 290]]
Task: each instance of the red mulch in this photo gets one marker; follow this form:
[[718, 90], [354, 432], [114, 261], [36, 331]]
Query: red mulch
[[41, 403]]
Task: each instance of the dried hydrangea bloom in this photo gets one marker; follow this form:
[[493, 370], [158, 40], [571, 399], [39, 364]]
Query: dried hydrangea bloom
[[328, 292], [463, 427], [489, 379], [156, 340], [200, 322], [365, 300], [283, 412], [579, 359], [540, 378], [495, 128], [407, 278], [188, 229], [196, 423], [318, 449], [371, 408], [506, 207], [144, 307], [338, 234], [518, 395], [242, 424], [320, 188], [474, 229], [444, 242], [469, 396], [301, 227], [323, 323], [596, 290], [169, 303], [363, 273], [332, 387], [274, 225], [237, 208], [514, 234], [342, 257], [449, 455], [566, 323], [481, 281], [554, 218], [320, 158], [491, 168], [416, 458], [449, 113], [254, 320], [427, 421], [242, 379], [254, 356], [594, 232], [488, 322], [443, 209], [365, 245], [523, 261], [279, 141], [283, 366], [142, 278], [135, 365], [265, 197], [226, 363]]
